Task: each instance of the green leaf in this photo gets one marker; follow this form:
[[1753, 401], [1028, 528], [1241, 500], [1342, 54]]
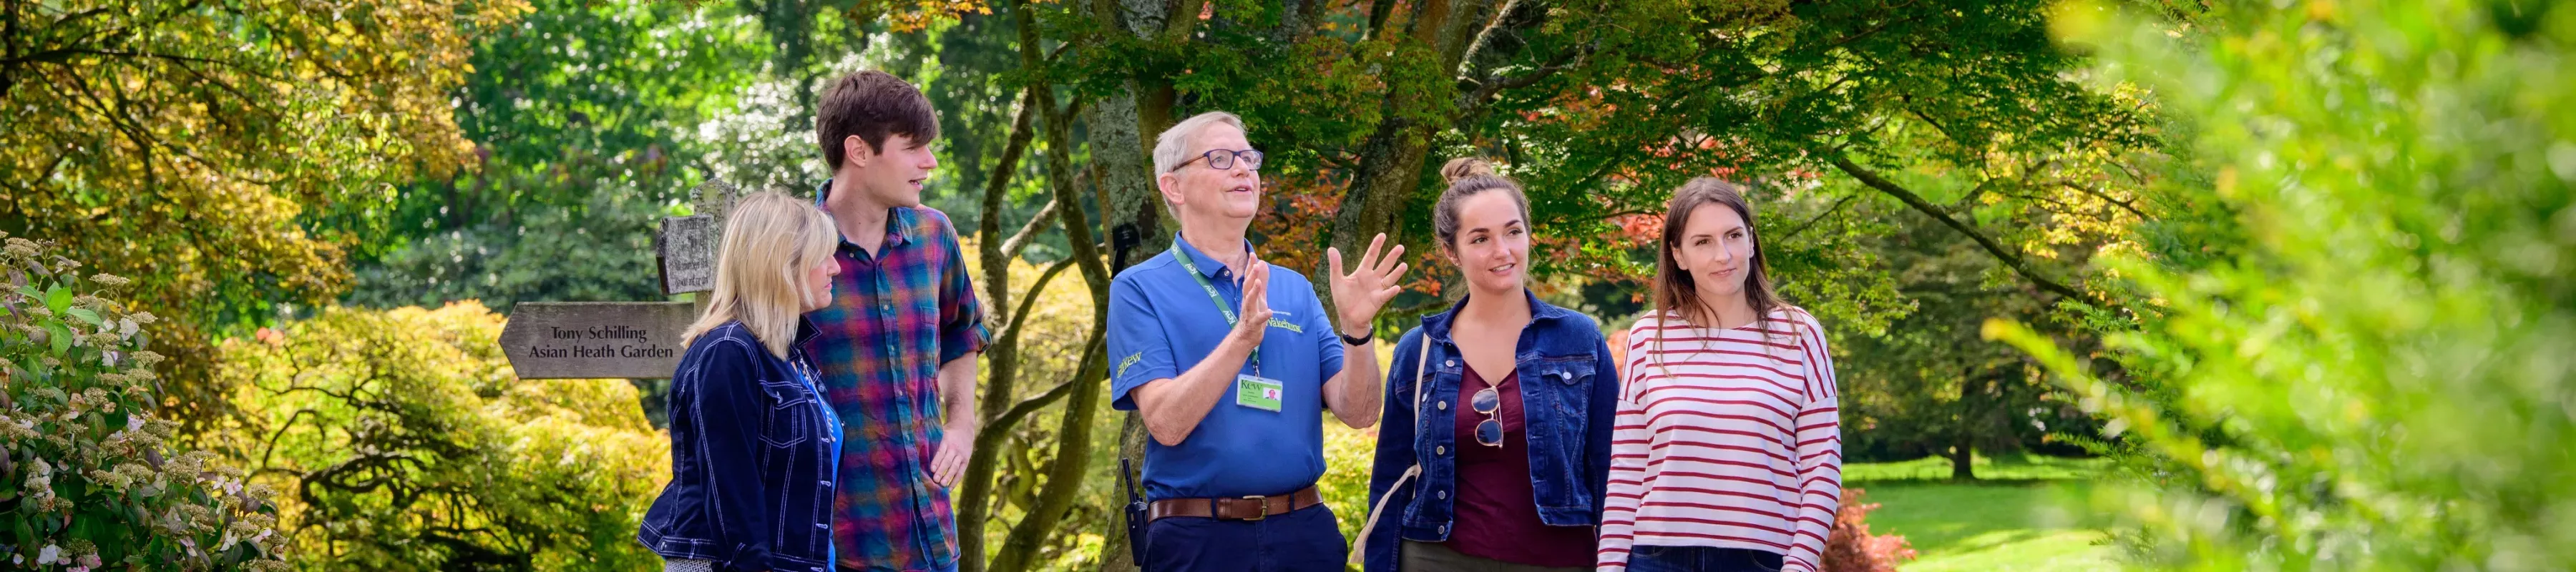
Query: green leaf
[[30, 291], [87, 316], [58, 299], [60, 336]]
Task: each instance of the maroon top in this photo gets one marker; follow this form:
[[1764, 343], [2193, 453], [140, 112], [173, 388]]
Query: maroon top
[[1497, 508]]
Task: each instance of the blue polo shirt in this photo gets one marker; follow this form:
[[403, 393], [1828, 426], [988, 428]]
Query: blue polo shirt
[[1161, 323]]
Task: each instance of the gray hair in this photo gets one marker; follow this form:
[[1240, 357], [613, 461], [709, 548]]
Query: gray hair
[[1173, 147]]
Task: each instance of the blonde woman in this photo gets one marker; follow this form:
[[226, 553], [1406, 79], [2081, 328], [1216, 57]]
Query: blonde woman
[[752, 440]]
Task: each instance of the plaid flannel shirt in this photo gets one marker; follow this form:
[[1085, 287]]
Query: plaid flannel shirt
[[895, 317]]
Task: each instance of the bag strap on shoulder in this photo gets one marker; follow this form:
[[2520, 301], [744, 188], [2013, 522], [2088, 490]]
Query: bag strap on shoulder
[[1359, 548]]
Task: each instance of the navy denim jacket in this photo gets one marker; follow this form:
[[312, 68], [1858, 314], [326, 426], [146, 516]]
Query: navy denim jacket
[[1570, 393], [751, 453]]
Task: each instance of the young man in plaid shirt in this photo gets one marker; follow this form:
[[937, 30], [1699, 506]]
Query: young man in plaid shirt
[[897, 346]]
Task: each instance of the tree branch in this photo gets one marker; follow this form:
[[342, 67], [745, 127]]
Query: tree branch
[[1020, 240], [2128, 205], [2010, 258], [1001, 425], [1377, 13], [1020, 316], [1820, 217]]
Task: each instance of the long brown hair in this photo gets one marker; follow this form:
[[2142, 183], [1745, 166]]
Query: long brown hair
[[1677, 291]]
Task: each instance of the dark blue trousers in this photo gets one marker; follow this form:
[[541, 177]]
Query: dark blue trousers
[[1643, 558], [1307, 540]]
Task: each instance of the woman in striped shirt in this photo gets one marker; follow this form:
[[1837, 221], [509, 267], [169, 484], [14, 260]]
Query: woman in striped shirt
[[1728, 451]]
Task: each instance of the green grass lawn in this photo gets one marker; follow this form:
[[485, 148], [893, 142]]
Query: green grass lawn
[[2016, 518]]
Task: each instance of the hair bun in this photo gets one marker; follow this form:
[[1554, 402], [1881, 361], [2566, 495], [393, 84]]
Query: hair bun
[[1464, 167]]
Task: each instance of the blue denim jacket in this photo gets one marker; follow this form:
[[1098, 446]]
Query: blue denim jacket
[[1570, 391], [751, 453]]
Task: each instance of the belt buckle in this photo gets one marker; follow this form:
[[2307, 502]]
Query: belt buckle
[[1264, 511]]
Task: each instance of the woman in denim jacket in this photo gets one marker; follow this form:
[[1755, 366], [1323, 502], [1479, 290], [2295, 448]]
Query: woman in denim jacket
[[752, 441], [1500, 462]]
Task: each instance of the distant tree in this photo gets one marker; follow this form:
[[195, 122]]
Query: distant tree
[[405, 444], [1930, 383], [186, 145], [585, 123]]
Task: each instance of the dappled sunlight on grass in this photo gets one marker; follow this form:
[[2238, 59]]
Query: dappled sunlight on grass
[[2018, 518]]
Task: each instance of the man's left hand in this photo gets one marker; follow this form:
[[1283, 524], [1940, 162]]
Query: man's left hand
[[956, 447], [1359, 295]]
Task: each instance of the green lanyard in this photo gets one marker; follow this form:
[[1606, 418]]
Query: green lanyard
[[1221, 307]]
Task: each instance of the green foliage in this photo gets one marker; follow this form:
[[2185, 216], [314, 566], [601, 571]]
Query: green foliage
[[598, 251], [185, 144], [2378, 378], [1929, 384], [411, 446], [585, 119], [86, 480]]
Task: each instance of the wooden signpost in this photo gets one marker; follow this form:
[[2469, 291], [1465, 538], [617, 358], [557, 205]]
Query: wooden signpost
[[582, 340], [554, 340]]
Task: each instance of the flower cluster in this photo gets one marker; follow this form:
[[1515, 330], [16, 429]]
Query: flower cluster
[[80, 440]]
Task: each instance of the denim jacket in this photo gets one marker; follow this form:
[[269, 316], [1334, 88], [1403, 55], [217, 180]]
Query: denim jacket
[[1570, 393], [751, 454]]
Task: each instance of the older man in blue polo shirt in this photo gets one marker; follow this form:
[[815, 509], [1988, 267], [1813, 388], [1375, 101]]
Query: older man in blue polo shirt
[[1232, 363]]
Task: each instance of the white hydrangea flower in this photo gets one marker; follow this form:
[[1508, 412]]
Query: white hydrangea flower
[[49, 555]]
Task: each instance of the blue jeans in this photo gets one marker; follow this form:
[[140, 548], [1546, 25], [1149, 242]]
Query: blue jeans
[[1642, 558], [1306, 540]]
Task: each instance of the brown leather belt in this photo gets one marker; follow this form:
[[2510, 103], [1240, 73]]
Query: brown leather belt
[[1246, 508]]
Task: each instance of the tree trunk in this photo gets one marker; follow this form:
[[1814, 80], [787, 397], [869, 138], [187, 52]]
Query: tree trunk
[[1962, 455], [1002, 357], [1131, 209], [1391, 162], [1066, 470]]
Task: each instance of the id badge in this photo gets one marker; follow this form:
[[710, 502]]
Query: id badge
[[1257, 392]]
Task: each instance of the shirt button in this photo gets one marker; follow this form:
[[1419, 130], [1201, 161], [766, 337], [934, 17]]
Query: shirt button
[[1439, 449], [823, 526], [1444, 406], [1450, 363], [826, 484], [1444, 495]]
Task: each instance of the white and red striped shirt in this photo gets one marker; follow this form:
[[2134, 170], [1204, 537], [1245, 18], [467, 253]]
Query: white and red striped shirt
[[1725, 438]]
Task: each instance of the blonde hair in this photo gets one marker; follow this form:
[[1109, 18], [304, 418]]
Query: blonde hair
[[769, 241]]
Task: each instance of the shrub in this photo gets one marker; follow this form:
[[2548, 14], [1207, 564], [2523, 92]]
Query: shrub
[[2378, 377], [1851, 548], [86, 479], [411, 446]]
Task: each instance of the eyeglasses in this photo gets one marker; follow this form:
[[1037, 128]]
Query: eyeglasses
[[1486, 402], [1225, 159]]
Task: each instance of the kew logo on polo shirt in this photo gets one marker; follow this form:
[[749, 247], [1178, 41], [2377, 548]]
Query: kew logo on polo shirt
[[1276, 322]]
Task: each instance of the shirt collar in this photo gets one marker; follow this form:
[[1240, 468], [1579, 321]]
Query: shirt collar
[[899, 220], [1209, 266], [1437, 325], [805, 332]]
